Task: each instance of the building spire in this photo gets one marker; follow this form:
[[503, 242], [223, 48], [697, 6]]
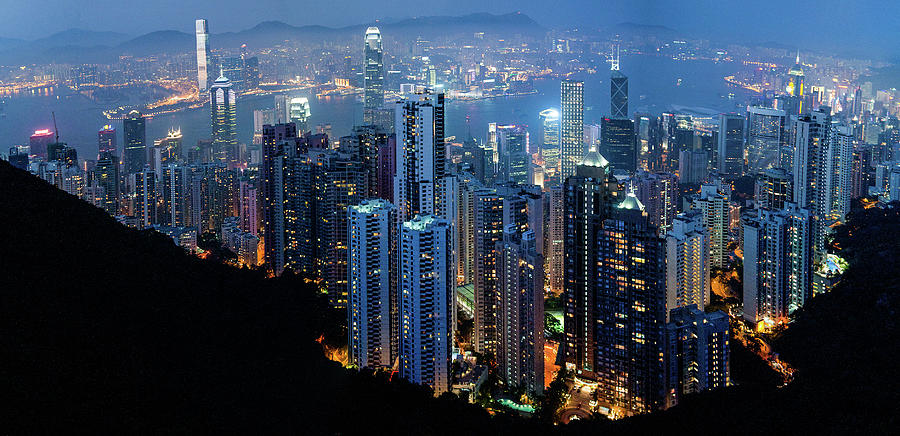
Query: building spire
[[614, 65], [798, 56]]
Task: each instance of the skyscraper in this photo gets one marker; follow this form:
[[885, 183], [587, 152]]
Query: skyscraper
[[421, 155], [106, 174], [520, 320], [658, 192], [550, 149], [731, 145], [767, 139], [795, 87], [38, 143], [134, 156], [369, 298], [223, 119], [299, 111], [514, 157], [630, 315], [714, 207], [822, 172], [590, 195], [202, 30], [488, 231], [374, 75], [617, 142], [571, 126], [618, 90], [697, 352], [774, 187], [777, 263], [106, 141], [426, 297], [687, 262]]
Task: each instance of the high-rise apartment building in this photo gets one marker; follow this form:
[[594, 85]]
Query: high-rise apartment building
[[520, 320], [425, 293], [420, 155], [658, 192], [369, 300], [777, 263], [713, 204], [766, 138], [687, 262], [774, 187], [697, 352]]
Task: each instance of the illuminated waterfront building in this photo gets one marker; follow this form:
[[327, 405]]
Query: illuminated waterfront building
[[299, 113], [369, 298], [550, 150], [426, 298], [38, 143], [571, 126], [374, 75], [134, 157], [223, 118], [202, 32]]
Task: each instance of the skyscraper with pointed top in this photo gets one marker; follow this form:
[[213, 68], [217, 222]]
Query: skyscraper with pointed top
[[374, 75], [618, 89], [223, 117]]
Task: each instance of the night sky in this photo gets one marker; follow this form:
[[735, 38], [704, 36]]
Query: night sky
[[866, 27]]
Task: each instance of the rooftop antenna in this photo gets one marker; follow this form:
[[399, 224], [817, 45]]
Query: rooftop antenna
[[55, 130]]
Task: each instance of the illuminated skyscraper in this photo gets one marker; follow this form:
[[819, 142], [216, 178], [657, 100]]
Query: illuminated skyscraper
[[795, 85], [520, 326], [697, 353], [489, 226], [731, 145], [106, 174], [374, 75], [713, 204], [571, 126], [550, 149], [106, 141], [630, 315], [766, 139], [618, 91], [299, 110], [202, 54], [822, 172], [421, 155], [590, 195], [777, 263], [617, 143], [223, 118], [514, 157], [426, 296], [687, 262], [38, 143], [369, 300], [774, 187], [658, 192], [134, 157]]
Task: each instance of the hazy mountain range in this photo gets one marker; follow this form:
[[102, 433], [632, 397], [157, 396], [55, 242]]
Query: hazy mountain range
[[84, 46]]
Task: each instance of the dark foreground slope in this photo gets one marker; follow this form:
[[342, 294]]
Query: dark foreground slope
[[104, 327]]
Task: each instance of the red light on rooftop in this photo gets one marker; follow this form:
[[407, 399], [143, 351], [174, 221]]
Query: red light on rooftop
[[42, 132]]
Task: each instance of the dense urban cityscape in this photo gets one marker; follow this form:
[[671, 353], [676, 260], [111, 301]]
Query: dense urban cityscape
[[491, 219]]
